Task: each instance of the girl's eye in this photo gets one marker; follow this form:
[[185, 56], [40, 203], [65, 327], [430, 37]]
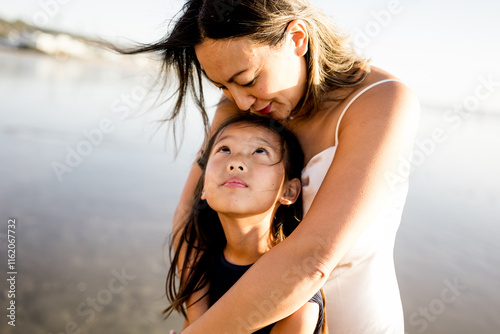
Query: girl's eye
[[261, 151], [224, 149]]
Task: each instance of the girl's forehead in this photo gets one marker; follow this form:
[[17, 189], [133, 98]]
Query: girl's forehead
[[243, 131]]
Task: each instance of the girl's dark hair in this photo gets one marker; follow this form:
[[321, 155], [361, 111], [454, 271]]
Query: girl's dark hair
[[201, 238], [331, 60]]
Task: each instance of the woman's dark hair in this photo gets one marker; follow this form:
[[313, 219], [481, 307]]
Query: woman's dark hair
[[201, 238], [332, 63]]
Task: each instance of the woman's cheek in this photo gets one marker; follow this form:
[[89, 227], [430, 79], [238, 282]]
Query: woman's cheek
[[227, 93]]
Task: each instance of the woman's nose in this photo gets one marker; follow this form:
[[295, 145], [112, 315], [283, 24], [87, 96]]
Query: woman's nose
[[242, 99]]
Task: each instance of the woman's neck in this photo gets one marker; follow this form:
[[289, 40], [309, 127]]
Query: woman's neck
[[248, 238]]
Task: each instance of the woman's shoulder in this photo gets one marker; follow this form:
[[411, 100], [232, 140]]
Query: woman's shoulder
[[377, 78], [384, 92], [379, 87], [381, 102], [380, 95]]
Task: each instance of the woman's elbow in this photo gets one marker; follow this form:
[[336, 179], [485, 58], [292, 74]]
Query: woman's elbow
[[313, 265], [320, 272]]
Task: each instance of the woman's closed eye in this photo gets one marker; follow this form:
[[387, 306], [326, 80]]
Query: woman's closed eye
[[251, 83]]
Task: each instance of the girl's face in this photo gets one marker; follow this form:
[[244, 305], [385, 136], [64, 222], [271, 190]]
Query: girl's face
[[244, 175], [258, 78]]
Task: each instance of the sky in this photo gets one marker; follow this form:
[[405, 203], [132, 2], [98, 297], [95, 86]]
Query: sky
[[444, 50]]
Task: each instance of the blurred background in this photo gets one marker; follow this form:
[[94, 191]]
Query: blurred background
[[92, 179]]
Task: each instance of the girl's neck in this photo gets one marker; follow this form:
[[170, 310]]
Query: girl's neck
[[247, 238]]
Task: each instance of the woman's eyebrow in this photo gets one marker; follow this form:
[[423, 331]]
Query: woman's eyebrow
[[228, 81]]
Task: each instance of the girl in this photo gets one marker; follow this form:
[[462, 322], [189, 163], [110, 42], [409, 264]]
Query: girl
[[250, 181]]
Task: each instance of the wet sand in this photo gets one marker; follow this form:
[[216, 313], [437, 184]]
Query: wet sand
[[90, 248]]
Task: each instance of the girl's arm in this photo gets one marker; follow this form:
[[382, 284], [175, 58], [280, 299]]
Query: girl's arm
[[194, 307], [302, 321], [375, 135]]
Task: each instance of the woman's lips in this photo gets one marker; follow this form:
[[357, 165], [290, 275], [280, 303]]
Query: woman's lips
[[234, 182], [266, 110]]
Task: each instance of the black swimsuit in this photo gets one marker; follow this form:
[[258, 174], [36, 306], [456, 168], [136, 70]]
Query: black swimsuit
[[225, 274]]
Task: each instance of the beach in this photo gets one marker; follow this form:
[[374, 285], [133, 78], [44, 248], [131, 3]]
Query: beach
[[92, 189]]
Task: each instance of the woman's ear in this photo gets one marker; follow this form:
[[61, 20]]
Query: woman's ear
[[203, 197], [291, 192], [298, 32]]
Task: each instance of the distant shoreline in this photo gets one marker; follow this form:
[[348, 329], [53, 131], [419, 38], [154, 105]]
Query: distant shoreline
[[125, 62]]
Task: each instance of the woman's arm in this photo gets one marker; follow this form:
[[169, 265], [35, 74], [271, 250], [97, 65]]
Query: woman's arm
[[376, 133]]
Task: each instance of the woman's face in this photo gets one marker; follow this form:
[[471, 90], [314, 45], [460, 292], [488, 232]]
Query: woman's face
[[245, 173], [258, 78]]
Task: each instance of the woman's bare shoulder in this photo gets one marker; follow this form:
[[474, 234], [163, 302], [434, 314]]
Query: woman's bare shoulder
[[386, 101], [373, 99]]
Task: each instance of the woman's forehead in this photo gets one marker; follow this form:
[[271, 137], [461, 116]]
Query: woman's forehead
[[222, 59], [241, 43]]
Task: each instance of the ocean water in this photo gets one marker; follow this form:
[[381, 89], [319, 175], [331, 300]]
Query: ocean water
[[93, 190]]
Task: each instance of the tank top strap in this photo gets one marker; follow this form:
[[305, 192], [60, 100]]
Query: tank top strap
[[354, 99]]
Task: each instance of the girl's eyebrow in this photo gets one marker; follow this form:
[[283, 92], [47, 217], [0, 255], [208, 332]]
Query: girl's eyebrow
[[263, 140]]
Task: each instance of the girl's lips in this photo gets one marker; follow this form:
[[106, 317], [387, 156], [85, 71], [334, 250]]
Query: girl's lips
[[234, 182], [266, 110]]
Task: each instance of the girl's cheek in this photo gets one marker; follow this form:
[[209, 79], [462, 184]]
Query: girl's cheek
[[208, 174], [214, 167], [281, 172]]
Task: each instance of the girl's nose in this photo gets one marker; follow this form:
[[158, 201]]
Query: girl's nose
[[236, 166]]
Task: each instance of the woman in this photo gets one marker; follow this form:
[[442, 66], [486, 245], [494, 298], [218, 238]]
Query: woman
[[282, 60]]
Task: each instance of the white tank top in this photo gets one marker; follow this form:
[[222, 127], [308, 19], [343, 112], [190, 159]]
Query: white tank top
[[362, 294]]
